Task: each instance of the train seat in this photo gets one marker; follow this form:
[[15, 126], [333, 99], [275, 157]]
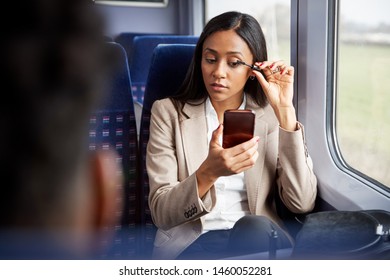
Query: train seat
[[143, 47], [164, 80], [125, 39], [112, 126]]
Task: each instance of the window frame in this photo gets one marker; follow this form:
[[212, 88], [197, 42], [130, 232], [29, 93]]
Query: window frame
[[336, 152], [314, 40]]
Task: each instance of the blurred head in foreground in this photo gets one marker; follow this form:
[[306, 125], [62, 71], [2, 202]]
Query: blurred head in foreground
[[57, 199]]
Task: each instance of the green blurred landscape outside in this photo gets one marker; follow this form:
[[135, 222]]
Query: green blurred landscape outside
[[363, 108]]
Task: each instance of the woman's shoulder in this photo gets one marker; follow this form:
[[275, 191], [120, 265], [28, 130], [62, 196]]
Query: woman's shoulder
[[164, 110], [166, 107], [165, 102], [163, 106], [270, 117], [265, 114]]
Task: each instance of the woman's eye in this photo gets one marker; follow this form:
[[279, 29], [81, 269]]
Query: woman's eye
[[234, 64], [210, 60]]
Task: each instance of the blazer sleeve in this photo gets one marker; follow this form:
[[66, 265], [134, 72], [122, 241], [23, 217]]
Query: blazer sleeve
[[172, 202], [296, 180]]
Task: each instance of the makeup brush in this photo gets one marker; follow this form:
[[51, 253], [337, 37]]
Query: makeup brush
[[254, 67]]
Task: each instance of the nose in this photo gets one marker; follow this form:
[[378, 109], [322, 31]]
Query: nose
[[220, 70]]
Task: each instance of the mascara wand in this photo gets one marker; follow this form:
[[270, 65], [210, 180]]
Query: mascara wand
[[256, 68]]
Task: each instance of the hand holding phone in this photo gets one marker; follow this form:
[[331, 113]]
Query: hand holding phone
[[238, 127]]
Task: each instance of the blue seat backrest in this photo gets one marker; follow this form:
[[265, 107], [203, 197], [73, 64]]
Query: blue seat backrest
[[125, 39], [142, 55], [112, 126], [163, 81]]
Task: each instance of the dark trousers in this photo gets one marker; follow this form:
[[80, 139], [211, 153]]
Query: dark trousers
[[251, 234]]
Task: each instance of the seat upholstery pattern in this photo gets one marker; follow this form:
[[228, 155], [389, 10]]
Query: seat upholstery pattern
[[113, 126]]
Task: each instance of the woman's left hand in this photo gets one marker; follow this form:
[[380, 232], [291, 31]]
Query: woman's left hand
[[278, 85], [277, 82]]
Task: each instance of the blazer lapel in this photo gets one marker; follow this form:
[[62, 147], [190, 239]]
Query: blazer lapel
[[253, 175], [194, 136]]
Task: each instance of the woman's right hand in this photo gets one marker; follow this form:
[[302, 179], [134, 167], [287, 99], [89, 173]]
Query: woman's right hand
[[225, 162]]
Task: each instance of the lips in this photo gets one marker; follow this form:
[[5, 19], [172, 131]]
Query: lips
[[217, 86]]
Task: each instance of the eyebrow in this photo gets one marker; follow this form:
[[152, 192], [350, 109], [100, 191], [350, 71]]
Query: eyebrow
[[231, 52]]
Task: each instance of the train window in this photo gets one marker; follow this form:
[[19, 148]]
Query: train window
[[363, 87], [273, 16]]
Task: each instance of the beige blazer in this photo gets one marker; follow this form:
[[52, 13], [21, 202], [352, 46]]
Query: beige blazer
[[178, 145]]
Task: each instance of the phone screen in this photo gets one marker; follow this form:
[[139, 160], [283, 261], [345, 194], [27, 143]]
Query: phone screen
[[238, 127]]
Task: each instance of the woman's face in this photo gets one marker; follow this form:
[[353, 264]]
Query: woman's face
[[223, 78]]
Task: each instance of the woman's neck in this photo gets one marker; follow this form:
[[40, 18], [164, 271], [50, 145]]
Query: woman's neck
[[222, 106]]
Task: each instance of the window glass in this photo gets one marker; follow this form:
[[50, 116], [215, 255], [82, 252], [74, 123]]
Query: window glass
[[363, 87], [273, 16]]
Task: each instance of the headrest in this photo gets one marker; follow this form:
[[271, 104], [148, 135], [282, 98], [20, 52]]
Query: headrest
[[143, 50], [118, 88], [169, 66]]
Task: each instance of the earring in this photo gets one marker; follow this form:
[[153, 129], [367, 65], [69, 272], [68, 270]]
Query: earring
[[252, 77]]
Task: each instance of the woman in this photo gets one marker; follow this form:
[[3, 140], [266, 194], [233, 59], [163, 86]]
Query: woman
[[210, 202]]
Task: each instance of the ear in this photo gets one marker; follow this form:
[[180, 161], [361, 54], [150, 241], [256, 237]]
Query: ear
[[107, 181]]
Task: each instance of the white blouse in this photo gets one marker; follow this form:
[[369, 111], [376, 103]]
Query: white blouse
[[232, 200]]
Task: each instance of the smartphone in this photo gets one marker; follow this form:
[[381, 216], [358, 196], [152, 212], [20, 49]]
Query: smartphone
[[238, 127]]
